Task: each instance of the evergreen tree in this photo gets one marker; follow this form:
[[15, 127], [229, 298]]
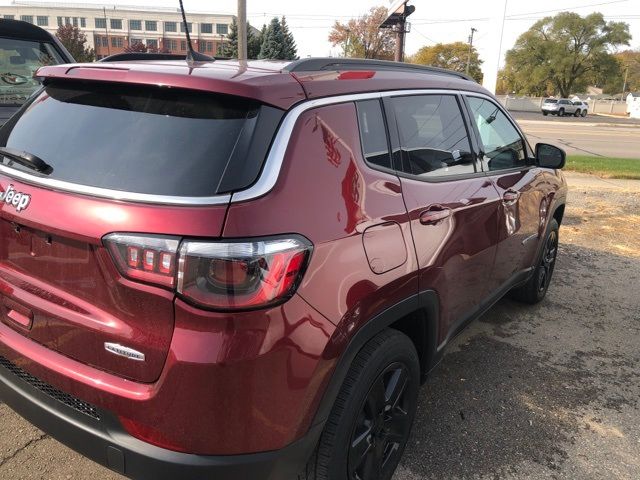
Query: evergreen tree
[[254, 42], [289, 50], [230, 47], [272, 41]]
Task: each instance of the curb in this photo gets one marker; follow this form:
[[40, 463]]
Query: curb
[[580, 124]]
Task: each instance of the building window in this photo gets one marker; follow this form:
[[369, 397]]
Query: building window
[[116, 42], [83, 22], [152, 44], [209, 46], [170, 27], [222, 28], [116, 24], [189, 24], [105, 42], [135, 24], [100, 22], [75, 21], [27, 18], [173, 44], [11, 17], [206, 28], [150, 25], [183, 44], [42, 21], [67, 20]]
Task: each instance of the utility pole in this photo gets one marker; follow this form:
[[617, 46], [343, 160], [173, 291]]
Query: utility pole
[[473, 30], [624, 85], [400, 31], [106, 32], [242, 29]]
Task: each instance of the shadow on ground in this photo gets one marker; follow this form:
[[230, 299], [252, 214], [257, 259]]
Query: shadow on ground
[[517, 392]]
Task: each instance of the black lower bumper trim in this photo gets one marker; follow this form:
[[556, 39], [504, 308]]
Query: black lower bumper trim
[[105, 442]]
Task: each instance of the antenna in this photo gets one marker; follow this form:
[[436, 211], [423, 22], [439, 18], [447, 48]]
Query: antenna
[[192, 55]]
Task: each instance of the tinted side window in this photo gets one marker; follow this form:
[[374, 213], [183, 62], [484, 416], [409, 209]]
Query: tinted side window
[[373, 133], [503, 146], [433, 136]]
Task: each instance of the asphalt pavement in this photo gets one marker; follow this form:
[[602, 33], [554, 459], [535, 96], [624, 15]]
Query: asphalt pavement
[[594, 135]]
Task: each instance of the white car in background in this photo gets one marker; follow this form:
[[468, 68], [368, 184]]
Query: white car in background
[[564, 106]]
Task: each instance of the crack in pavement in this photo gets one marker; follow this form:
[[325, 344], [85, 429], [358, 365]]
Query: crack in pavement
[[24, 447]]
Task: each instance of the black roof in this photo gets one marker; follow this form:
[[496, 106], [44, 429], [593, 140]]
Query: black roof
[[318, 64], [23, 30]]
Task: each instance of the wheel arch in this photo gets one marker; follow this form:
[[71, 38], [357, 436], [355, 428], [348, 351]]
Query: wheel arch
[[415, 316]]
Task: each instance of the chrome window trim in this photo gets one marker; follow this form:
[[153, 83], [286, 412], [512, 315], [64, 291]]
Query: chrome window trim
[[270, 171], [112, 194]]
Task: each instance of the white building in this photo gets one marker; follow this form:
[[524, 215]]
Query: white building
[[110, 29]]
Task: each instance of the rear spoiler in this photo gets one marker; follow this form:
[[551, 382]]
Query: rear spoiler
[[281, 91]]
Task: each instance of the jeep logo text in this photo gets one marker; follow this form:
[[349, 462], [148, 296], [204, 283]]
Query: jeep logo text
[[20, 201]]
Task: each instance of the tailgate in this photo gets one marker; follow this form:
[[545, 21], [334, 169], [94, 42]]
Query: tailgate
[[60, 287]]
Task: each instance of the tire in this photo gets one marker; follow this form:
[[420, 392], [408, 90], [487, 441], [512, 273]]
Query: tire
[[545, 113], [583, 114], [536, 287], [561, 112], [369, 424], [577, 113]]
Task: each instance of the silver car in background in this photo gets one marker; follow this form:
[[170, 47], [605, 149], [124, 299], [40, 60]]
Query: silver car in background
[[564, 106]]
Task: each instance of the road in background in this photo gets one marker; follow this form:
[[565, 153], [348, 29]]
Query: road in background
[[594, 135]]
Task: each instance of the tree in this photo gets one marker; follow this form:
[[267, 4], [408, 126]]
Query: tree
[[452, 56], [289, 49], [361, 37], [629, 63], [136, 47], [75, 42], [230, 49], [277, 41], [563, 54]]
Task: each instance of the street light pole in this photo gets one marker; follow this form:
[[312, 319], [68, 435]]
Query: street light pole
[[473, 30]]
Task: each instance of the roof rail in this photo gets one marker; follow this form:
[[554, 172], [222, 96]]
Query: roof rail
[[132, 56], [317, 64]]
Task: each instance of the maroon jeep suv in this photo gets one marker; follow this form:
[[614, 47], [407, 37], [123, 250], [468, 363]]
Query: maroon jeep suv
[[239, 270]]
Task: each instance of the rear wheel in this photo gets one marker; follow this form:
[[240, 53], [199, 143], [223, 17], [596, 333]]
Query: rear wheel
[[584, 113], [369, 426], [561, 112], [536, 287], [545, 113]]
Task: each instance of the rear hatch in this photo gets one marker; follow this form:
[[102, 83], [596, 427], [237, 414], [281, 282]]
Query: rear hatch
[[137, 160]]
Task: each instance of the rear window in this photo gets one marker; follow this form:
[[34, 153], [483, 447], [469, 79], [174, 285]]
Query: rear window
[[551, 100], [18, 60], [148, 140]]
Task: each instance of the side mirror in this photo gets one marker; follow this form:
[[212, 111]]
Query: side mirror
[[550, 156]]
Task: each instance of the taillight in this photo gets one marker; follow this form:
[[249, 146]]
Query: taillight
[[148, 258], [243, 274], [223, 275]]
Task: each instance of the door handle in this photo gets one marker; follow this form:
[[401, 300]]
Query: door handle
[[434, 214], [510, 197]]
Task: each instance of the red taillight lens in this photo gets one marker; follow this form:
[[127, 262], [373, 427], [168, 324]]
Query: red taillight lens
[[231, 275], [241, 275], [149, 258]]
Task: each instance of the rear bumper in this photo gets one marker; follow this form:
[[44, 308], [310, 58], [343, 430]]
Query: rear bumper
[[104, 440]]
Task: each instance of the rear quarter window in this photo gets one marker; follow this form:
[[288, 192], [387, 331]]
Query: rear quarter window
[[145, 139]]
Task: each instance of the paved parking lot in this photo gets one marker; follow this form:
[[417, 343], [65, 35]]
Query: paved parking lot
[[540, 392]]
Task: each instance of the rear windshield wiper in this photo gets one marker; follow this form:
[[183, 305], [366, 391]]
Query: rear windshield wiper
[[26, 159]]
